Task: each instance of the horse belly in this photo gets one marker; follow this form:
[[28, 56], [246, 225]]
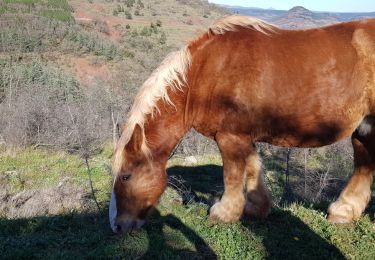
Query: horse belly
[[313, 134]]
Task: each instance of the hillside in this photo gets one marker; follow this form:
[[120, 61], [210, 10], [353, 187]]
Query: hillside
[[69, 70], [298, 16], [103, 50]]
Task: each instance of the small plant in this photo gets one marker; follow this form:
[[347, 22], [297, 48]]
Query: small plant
[[153, 28], [136, 13], [134, 33], [140, 4], [158, 23], [146, 31], [130, 3], [163, 38], [127, 26], [120, 8], [128, 15], [129, 54]]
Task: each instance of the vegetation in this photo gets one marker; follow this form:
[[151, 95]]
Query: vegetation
[[54, 9], [55, 124], [178, 229]]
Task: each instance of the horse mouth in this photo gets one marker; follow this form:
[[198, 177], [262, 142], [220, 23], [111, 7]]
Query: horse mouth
[[128, 226]]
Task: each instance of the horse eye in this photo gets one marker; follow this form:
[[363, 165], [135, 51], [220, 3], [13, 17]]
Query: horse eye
[[125, 177]]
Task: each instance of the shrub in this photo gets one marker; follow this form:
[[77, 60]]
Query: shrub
[[163, 38], [128, 15], [130, 3], [140, 4]]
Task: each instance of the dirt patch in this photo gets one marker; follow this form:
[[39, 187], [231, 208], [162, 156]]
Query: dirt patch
[[94, 15], [87, 70], [43, 202]]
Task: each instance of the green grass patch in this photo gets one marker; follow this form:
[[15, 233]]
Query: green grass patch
[[176, 230], [54, 9]]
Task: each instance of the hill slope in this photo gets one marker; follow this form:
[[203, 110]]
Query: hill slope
[[298, 16]]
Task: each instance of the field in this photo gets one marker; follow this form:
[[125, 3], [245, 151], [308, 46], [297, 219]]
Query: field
[[68, 73], [178, 229]]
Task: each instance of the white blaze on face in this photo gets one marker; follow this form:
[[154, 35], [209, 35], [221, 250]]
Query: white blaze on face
[[113, 212]]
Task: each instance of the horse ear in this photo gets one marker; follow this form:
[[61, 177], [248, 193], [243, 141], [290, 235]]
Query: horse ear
[[135, 143]]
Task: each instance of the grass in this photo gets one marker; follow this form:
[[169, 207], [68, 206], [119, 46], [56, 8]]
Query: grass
[[54, 9], [176, 230]]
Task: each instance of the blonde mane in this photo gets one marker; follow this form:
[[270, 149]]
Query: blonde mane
[[171, 75], [233, 22]]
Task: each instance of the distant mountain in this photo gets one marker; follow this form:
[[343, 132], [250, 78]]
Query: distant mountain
[[298, 17]]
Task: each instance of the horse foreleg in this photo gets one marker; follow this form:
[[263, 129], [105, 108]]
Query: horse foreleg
[[258, 199], [234, 151], [356, 195]]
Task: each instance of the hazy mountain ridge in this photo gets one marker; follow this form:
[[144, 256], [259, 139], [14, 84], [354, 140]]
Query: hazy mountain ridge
[[299, 17]]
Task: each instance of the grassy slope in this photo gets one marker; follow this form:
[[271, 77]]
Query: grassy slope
[[175, 230], [54, 9]]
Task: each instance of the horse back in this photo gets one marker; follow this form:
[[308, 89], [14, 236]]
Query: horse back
[[291, 88]]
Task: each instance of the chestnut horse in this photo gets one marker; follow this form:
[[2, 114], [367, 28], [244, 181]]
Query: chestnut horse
[[245, 81]]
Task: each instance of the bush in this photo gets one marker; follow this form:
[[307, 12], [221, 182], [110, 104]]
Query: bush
[[128, 15], [130, 3], [40, 105], [140, 4], [163, 38]]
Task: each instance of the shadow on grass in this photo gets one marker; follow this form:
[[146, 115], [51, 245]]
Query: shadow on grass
[[163, 237], [165, 248], [205, 182], [89, 236], [283, 235]]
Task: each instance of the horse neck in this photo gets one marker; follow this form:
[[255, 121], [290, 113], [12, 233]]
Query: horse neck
[[166, 127]]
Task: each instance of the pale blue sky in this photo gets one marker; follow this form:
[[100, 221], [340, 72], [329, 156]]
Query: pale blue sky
[[316, 5]]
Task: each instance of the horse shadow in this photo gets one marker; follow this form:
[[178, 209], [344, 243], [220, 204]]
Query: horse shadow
[[283, 235], [154, 228], [89, 236]]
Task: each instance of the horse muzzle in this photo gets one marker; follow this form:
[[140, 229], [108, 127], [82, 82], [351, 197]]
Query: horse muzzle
[[127, 226]]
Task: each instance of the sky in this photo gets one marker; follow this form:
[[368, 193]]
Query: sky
[[314, 5]]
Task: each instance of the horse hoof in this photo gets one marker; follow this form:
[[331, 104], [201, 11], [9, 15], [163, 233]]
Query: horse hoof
[[336, 219], [340, 213], [221, 213]]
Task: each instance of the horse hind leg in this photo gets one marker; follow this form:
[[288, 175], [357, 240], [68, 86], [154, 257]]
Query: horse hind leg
[[354, 198], [258, 199]]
